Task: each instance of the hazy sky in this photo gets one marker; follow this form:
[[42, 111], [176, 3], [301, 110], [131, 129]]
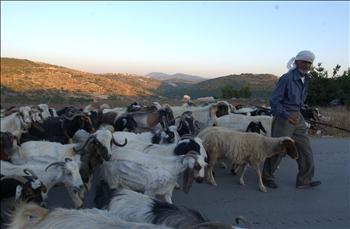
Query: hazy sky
[[202, 38]]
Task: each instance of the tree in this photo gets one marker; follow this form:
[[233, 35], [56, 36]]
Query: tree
[[323, 89], [228, 92], [244, 92]]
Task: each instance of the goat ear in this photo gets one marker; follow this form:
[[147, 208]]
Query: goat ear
[[286, 141], [189, 162], [290, 147], [188, 180], [18, 192]]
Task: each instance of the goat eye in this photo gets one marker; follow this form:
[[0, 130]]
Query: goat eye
[[197, 167]]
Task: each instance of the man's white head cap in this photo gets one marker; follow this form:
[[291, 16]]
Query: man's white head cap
[[304, 55]]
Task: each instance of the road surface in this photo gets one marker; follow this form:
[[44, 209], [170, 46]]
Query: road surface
[[325, 206]]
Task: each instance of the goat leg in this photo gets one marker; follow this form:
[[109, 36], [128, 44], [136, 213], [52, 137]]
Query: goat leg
[[209, 175], [243, 169], [261, 185]]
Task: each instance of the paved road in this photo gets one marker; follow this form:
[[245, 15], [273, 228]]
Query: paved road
[[326, 206]]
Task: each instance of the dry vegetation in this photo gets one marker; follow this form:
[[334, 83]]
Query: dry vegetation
[[337, 116], [28, 77]]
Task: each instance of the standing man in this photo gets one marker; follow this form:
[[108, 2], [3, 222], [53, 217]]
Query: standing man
[[286, 101]]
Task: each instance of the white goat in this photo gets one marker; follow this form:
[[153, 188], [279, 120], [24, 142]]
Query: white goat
[[245, 111], [16, 123], [66, 172], [118, 110], [203, 115], [240, 122], [46, 151], [45, 112], [32, 216], [152, 175], [145, 137], [136, 207], [98, 143], [242, 149], [141, 143]]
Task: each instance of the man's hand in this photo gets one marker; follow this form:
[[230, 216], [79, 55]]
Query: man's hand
[[293, 119]]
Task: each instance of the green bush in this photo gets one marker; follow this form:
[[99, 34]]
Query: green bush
[[322, 89], [228, 92]]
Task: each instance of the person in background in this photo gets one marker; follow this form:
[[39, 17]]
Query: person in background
[[187, 100]]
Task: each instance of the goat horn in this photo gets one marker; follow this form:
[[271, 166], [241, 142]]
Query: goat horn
[[85, 143], [196, 124], [11, 110], [187, 136], [180, 125], [73, 116], [59, 163], [30, 173], [117, 144]]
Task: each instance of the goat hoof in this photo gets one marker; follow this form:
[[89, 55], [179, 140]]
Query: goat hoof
[[223, 165], [263, 189], [242, 183], [233, 172]]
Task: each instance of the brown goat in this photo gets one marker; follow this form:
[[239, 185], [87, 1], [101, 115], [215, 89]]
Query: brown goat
[[243, 149]]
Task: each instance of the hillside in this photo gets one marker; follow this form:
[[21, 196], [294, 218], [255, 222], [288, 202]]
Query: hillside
[[178, 77], [33, 78], [261, 85], [25, 81]]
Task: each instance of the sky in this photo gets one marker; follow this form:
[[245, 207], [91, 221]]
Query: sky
[[208, 39]]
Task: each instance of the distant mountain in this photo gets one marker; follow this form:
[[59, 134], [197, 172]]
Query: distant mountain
[[261, 85], [179, 77]]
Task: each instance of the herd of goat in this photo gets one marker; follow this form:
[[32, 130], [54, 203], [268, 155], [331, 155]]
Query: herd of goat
[[140, 152]]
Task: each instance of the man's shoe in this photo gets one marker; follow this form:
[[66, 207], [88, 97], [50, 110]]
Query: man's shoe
[[270, 183], [309, 185]]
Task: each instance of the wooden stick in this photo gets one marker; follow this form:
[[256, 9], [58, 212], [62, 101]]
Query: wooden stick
[[329, 125]]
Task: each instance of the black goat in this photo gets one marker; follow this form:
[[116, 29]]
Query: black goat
[[58, 129], [68, 111], [187, 124], [7, 143]]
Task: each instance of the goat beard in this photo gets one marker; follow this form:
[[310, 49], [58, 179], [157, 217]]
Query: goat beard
[[187, 180]]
